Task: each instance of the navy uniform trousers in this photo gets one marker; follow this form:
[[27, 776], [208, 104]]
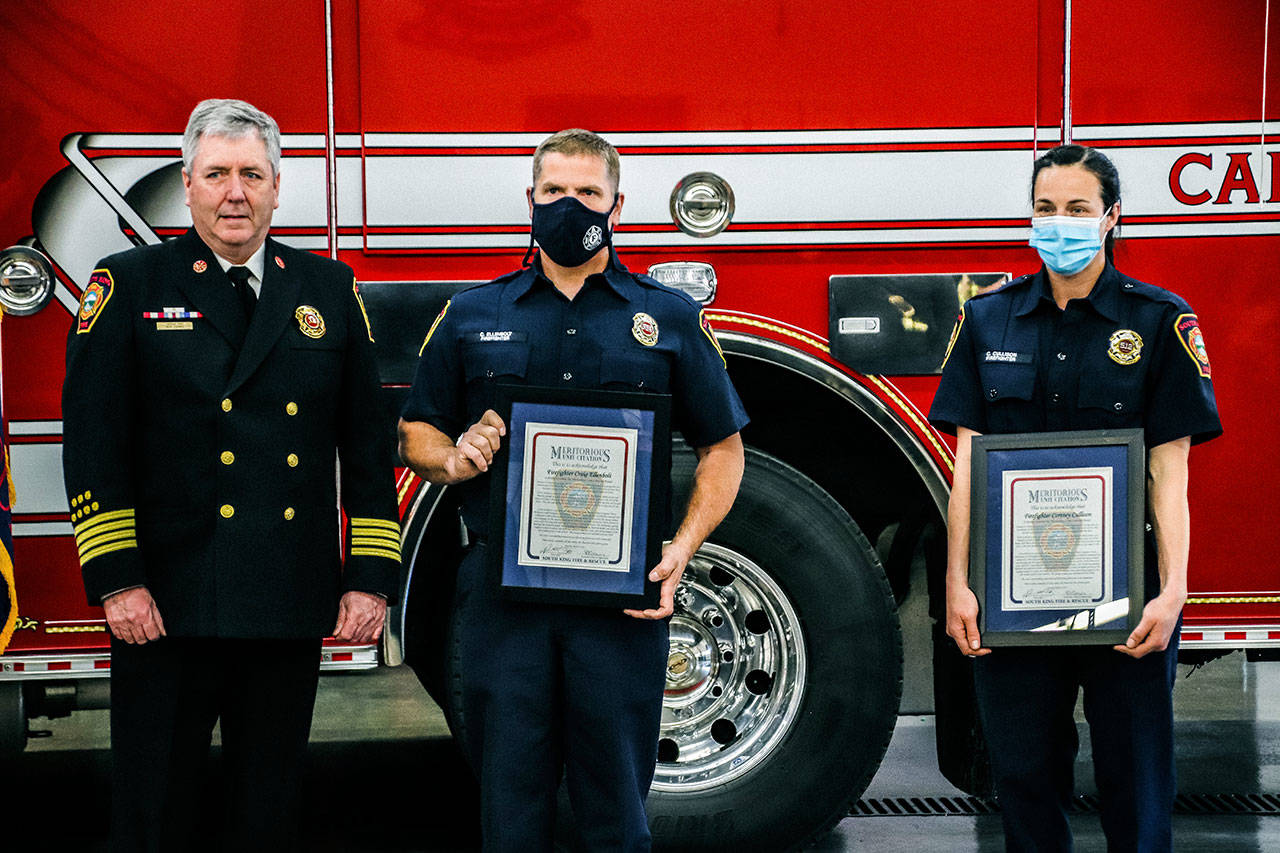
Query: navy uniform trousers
[[1027, 698], [594, 674], [166, 697]]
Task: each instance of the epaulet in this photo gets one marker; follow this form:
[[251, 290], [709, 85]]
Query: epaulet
[[654, 284], [480, 285], [1008, 285], [503, 279], [1133, 287]]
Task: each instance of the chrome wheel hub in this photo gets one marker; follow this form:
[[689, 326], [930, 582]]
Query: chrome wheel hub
[[735, 672]]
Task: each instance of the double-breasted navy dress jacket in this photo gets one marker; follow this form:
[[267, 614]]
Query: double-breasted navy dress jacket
[[199, 450]]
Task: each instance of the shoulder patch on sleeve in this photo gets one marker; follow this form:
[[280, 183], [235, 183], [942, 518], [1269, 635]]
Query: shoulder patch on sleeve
[[955, 333], [711, 336], [355, 288], [93, 299], [432, 330], [1187, 328]]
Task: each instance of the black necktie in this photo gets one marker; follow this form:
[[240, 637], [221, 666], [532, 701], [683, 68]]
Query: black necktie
[[248, 299]]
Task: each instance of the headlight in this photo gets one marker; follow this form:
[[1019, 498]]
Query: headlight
[[26, 280], [696, 279]]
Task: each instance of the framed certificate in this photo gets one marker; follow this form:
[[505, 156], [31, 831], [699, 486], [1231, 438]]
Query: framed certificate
[[1056, 527], [578, 496]]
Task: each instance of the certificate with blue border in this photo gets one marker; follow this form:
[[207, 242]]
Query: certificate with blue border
[[1056, 526], [581, 491]]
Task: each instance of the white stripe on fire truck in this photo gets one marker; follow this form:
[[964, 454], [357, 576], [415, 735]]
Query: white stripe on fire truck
[[35, 427], [42, 528], [738, 138]]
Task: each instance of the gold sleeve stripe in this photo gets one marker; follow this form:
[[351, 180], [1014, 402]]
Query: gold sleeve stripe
[[372, 536], [361, 530], [96, 530], [376, 522], [375, 552], [373, 546], [89, 523], [107, 549], [432, 330], [90, 544]]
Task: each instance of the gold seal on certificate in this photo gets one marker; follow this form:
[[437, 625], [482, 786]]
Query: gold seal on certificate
[[577, 497]]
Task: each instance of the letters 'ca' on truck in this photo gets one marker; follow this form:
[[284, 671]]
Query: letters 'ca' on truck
[[831, 180]]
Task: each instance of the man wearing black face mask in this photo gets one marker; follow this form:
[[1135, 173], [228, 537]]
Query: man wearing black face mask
[[548, 687]]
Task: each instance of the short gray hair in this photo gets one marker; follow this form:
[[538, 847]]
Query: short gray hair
[[576, 142], [232, 119]]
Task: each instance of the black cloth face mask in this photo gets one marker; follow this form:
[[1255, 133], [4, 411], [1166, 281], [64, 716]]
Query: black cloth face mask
[[569, 232]]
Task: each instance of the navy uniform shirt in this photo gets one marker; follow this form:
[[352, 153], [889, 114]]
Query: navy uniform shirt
[[519, 329], [1128, 355]]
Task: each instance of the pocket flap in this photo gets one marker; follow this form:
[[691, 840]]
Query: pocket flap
[[493, 359], [1008, 381]]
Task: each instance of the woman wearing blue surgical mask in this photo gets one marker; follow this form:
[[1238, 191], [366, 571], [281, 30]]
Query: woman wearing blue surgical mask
[[1080, 346]]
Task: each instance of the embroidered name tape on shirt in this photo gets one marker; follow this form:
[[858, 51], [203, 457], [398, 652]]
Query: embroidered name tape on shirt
[[495, 337], [1002, 356]]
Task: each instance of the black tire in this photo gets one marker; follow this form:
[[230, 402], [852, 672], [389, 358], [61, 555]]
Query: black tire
[[788, 540], [13, 719]]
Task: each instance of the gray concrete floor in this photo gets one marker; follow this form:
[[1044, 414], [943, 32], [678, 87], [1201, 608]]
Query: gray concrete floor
[[386, 776]]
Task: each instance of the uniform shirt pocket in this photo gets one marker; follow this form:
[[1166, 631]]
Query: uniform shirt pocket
[[1112, 403], [636, 371], [1007, 390], [495, 359]]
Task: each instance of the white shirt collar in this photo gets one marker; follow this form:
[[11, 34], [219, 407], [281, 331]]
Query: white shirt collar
[[256, 264]]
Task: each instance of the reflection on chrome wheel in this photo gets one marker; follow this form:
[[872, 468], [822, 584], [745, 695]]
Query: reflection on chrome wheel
[[735, 672]]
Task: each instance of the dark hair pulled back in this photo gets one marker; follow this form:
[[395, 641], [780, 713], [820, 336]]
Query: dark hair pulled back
[[1097, 163]]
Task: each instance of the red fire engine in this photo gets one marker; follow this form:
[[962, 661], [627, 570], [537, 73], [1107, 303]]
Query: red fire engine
[[830, 179]]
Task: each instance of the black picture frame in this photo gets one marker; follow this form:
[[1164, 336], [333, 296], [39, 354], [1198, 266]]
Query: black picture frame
[[1071, 495], [624, 441]]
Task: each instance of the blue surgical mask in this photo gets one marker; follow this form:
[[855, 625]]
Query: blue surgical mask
[[1066, 243], [570, 232]]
